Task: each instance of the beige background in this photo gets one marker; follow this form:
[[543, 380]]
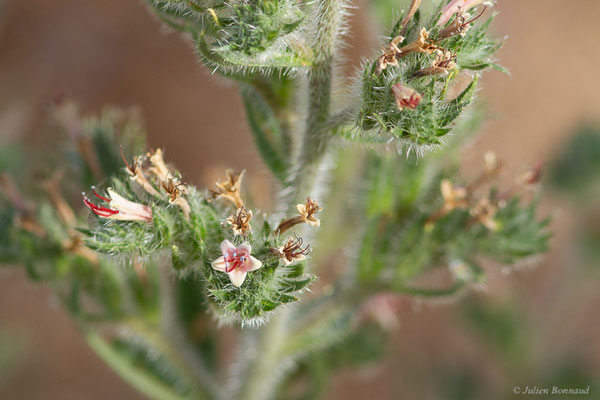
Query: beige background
[[112, 52]]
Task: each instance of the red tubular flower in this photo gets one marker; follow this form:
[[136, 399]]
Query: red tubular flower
[[121, 208]]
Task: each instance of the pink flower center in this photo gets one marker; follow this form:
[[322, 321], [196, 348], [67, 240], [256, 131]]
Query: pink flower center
[[235, 259]]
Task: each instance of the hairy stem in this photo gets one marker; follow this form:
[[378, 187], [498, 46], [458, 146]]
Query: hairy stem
[[172, 328], [328, 16], [266, 368]]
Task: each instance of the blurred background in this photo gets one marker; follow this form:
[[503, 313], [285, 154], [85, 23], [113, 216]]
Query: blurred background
[[538, 326]]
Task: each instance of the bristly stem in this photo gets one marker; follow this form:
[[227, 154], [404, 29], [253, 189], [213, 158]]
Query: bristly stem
[[264, 371], [329, 18], [172, 327]]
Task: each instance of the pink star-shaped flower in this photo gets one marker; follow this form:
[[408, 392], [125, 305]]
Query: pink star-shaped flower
[[236, 261]]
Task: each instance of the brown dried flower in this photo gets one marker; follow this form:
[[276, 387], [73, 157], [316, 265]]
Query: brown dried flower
[[292, 251], [414, 6], [454, 196], [421, 45], [308, 210], [229, 189], [459, 25], [484, 212], [157, 166], [390, 55], [239, 222], [137, 175], [443, 61], [175, 190], [307, 213]]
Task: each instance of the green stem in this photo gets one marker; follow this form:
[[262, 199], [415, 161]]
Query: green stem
[[172, 328], [136, 377], [328, 15], [263, 369]]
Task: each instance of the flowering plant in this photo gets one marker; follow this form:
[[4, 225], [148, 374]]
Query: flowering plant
[[156, 269]]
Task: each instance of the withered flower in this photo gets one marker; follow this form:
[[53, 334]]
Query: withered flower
[[136, 173], [390, 55], [175, 190], [229, 189], [454, 196], [292, 251], [459, 25], [308, 210], [405, 97], [239, 222], [157, 166], [414, 6], [122, 209], [458, 6], [307, 213], [484, 212], [443, 61], [421, 45]]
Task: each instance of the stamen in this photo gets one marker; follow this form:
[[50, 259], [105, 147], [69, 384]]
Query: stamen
[[126, 163], [100, 197], [98, 210], [474, 19]]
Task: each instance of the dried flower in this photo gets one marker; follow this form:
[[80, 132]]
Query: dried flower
[[443, 61], [176, 190], [308, 210], [459, 25], [390, 55], [458, 6], [236, 262], [137, 175], [454, 196], [229, 189], [292, 251], [122, 209], [405, 97], [414, 6], [307, 215], [421, 45], [484, 212], [239, 222], [157, 166]]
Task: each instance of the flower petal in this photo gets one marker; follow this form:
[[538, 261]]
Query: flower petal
[[219, 264], [237, 277], [245, 247], [227, 246], [253, 264]]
